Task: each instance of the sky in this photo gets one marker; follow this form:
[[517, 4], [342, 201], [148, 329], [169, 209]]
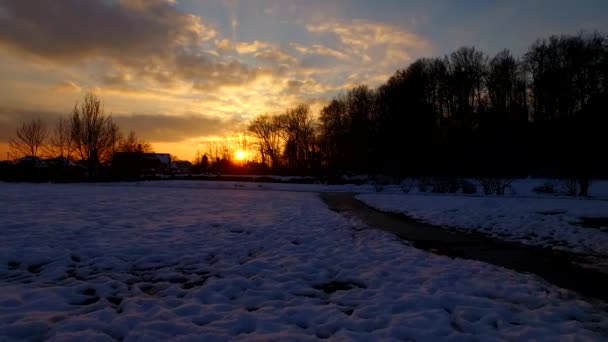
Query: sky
[[181, 73]]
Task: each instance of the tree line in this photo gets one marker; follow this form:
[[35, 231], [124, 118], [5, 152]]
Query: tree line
[[465, 114], [462, 115], [87, 135]]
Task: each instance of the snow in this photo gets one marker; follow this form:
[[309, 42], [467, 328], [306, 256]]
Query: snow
[[232, 185], [547, 222], [178, 261]]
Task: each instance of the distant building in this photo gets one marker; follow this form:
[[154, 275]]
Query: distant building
[[134, 165], [34, 169], [181, 167]]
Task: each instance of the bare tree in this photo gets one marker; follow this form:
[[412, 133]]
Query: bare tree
[[298, 129], [132, 143], [115, 139], [267, 131], [467, 69], [93, 132], [30, 138], [62, 141]]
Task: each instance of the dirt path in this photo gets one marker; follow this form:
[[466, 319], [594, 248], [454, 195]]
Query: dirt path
[[559, 268]]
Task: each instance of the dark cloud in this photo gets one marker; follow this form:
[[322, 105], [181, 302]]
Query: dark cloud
[[138, 40], [11, 119], [165, 128], [207, 73], [275, 57], [75, 29], [152, 127], [319, 62]]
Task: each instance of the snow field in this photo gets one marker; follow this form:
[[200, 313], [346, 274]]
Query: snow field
[[143, 264], [547, 222]]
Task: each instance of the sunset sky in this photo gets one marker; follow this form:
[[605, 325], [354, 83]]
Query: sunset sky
[[182, 72]]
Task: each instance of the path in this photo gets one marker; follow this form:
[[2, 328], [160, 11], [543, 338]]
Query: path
[[559, 268]]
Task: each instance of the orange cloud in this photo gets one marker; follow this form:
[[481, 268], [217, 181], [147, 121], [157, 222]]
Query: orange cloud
[[67, 87], [255, 46], [365, 39]]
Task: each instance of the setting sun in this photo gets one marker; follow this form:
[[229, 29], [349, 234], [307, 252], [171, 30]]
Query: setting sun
[[240, 155]]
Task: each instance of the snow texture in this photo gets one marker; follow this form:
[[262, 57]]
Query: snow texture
[[548, 222], [146, 263]]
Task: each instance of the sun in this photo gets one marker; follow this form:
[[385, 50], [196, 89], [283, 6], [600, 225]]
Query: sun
[[240, 155]]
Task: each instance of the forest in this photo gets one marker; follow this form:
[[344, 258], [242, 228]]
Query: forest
[[462, 115]]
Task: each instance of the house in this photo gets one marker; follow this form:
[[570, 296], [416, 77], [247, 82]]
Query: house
[[181, 167], [134, 165]]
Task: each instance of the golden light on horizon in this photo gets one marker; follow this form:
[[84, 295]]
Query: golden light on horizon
[[240, 155]]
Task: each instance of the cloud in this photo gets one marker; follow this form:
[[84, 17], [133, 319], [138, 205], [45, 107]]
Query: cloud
[[318, 49], [147, 56], [206, 73], [11, 119], [372, 42], [261, 50], [165, 128], [132, 43], [275, 57], [67, 87], [224, 44], [122, 29], [151, 127], [253, 47]]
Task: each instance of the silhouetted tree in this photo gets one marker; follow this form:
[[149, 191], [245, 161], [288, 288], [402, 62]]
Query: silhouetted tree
[[298, 132], [463, 115], [93, 132], [334, 125], [360, 106], [133, 144], [62, 141], [568, 81], [406, 117], [501, 135], [204, 164], [30, 138], [266, 129]]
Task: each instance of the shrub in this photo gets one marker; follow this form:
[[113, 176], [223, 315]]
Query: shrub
[[443, 185], [495, 186], [576, 186], [379, 181], [569, 187], [423, 184], [468, 187], [546, 188], [407, 185]]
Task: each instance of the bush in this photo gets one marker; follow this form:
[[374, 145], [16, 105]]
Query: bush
[[444, 185], [407, 185], [569, 187], [379, 181], [584, 185], [468, 187], [439, 185], [546, 188], [576, 186], [423, 184], [495, 186]]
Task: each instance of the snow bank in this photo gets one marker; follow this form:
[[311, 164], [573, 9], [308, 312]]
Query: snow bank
[[547, 222], [85, 262]]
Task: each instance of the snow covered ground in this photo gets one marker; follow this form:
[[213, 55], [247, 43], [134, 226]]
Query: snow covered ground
[[230, 185], [157, 262], [548, 222]]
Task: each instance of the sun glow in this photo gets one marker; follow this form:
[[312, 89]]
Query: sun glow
[[240, 155]]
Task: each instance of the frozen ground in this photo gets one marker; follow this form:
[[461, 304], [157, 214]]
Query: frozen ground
[[549, 222], [520, 188], [151, 263]]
